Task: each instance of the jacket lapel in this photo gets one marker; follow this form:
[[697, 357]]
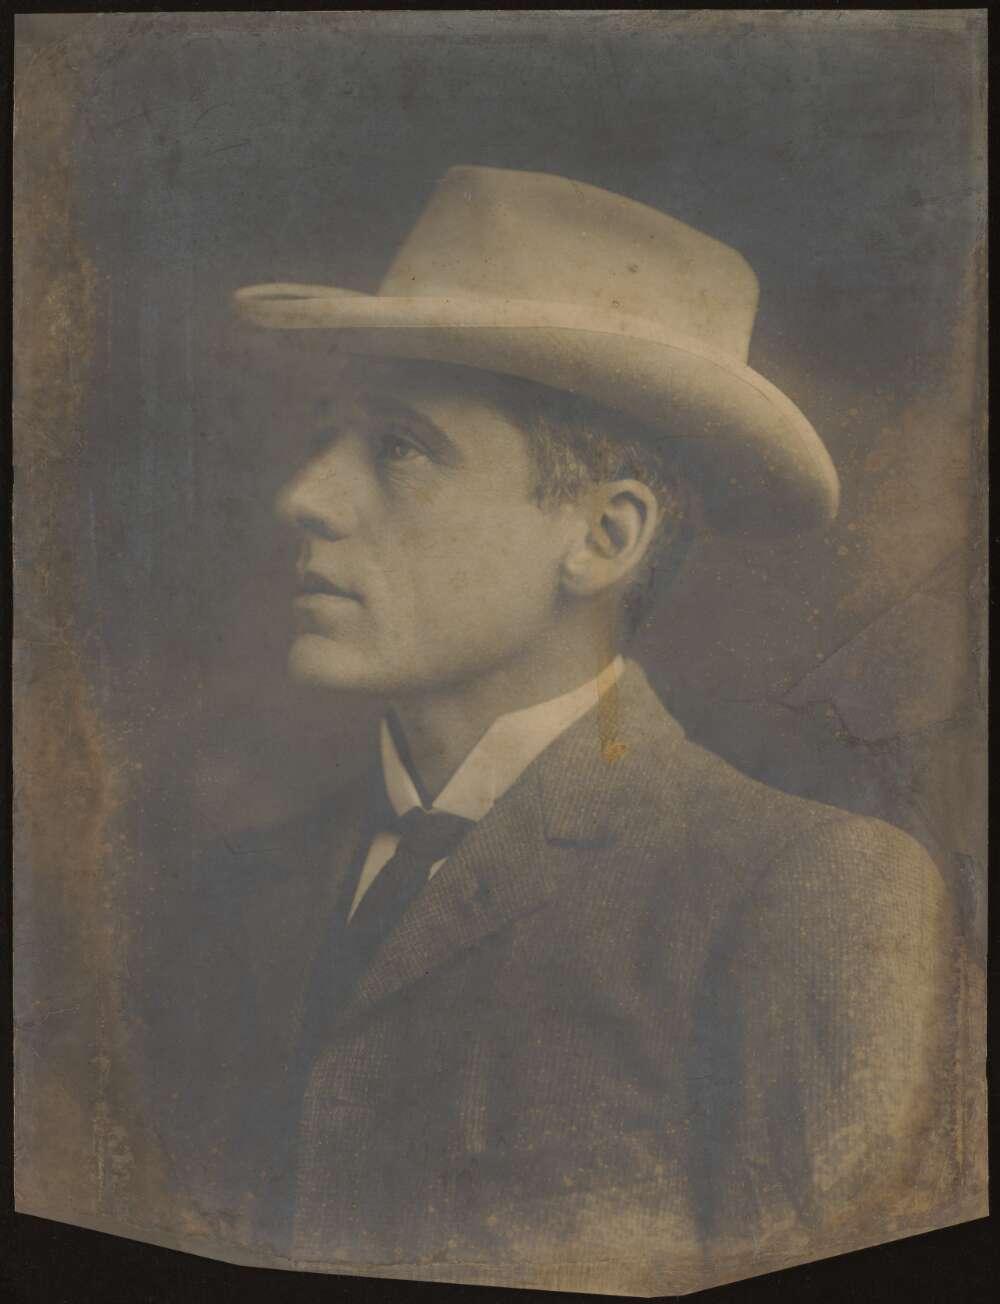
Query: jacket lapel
[[288, 916], [528, 847]]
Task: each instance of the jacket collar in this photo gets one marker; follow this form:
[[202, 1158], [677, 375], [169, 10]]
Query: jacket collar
[[573, 797]]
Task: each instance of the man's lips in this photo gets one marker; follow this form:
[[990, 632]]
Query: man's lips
[[312, 584]]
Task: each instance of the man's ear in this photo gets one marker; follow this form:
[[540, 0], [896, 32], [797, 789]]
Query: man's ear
[[618, 523]]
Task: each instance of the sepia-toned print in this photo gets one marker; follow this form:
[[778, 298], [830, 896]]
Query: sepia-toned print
[[519, 640]]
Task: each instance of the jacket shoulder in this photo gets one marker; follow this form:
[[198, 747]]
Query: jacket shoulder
[[869, 868], [724, 810], [749, 831]]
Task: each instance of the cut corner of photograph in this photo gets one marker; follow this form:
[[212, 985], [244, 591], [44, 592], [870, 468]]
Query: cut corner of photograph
[[500, 622]]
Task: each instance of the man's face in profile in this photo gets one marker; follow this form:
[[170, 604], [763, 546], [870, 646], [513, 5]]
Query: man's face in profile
[[425, 558]]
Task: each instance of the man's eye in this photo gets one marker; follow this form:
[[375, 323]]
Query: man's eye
[[400, 448]]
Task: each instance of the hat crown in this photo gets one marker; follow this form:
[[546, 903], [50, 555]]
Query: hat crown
[[494, 233]]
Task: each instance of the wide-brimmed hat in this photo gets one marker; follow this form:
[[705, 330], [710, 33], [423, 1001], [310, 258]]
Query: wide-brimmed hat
[[559, 282]]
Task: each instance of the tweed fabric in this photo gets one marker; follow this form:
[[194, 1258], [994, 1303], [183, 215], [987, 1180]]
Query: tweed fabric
[[650, 1019]]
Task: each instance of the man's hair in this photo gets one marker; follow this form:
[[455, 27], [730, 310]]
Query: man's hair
[[575, 443]]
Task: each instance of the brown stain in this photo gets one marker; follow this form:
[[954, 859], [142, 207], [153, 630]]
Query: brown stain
[[613, 747], [67, 943]]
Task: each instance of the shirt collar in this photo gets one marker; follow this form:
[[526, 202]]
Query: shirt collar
[[505, 750]]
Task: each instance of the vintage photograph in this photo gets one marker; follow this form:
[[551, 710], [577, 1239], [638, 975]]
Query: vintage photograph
[[500, 664]]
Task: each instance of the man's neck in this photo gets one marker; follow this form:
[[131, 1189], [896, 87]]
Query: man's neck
[[441, 727]]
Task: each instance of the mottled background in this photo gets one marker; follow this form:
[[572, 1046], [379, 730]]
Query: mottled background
[[162, 161]]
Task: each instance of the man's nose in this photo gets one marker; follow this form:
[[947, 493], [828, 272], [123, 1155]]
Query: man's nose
[[324, 496]]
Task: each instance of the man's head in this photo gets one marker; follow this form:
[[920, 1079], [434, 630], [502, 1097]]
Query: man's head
[[573, 286], [453, 520]]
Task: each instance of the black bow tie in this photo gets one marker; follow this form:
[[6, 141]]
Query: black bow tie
[[433, 833], [426, 836]]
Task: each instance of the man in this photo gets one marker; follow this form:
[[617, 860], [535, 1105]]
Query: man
[[551, 995]]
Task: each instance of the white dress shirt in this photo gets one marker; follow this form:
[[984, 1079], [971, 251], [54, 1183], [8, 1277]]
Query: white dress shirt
[[505, 750]]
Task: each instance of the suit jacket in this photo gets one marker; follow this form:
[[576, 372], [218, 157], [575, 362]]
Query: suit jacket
[[650, 1019]]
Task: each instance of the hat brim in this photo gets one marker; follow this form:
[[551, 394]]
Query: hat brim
[[756, 460]]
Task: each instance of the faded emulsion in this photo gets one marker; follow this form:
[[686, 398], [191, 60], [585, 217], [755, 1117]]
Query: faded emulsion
[[499, 684]]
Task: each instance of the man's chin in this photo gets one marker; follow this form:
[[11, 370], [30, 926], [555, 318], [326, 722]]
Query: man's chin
[[325, 663]]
